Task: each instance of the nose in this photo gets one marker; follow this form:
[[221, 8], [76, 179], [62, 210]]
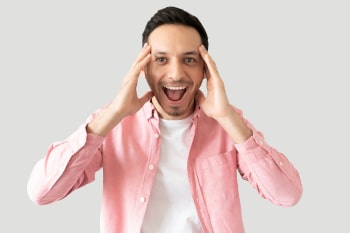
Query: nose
[[176, 71]]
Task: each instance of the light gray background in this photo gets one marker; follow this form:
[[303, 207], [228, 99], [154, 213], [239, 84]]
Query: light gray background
[[285, 63]]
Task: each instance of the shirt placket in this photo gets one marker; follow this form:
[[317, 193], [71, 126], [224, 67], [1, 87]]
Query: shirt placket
[[149, 174]]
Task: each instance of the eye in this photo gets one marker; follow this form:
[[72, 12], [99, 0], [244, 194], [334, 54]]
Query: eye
[[160, 59], [189, 60]]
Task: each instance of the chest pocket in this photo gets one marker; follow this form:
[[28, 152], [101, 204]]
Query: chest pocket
[[217, 176]]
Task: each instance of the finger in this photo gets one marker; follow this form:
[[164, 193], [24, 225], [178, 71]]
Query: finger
[[143, 62], [210, 63], [143, 59], [146, 49]]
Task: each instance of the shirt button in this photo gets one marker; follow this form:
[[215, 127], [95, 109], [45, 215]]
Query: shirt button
[[281, 163], [156, 135], [142, 199], [151, 167]]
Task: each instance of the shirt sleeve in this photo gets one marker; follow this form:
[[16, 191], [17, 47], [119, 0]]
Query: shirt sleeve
[[268, 170], [67, 166]]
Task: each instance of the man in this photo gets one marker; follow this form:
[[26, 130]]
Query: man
[[169, 158]]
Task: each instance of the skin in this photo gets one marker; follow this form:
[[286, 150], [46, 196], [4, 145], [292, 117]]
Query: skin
[[175, 58], [175, 63]]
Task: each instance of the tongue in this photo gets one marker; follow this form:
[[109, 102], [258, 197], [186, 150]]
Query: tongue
[[174, 95]]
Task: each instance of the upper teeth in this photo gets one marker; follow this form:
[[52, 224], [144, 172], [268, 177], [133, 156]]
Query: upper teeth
[[175, 88]]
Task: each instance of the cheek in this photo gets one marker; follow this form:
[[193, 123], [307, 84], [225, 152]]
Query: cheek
[[199, 76], [154, 73], [151, 77]]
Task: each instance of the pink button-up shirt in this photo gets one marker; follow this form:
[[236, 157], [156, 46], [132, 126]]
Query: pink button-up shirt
[[129, 155]]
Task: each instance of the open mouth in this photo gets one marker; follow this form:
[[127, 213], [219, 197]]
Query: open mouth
[[174, 93]]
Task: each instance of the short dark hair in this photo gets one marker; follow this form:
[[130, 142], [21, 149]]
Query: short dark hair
[[174, 15]]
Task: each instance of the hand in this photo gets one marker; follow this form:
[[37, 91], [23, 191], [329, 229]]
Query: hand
[[127, 101], [216, 103]]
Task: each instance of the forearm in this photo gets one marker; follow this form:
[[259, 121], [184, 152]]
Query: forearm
[[275, 180], [269, 171], [67, 166], [105, 121]]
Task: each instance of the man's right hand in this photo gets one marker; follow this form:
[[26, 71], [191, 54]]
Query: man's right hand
[[126, 101]]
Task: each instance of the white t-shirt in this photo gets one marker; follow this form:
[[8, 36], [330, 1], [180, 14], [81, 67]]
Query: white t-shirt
[[171, 208]]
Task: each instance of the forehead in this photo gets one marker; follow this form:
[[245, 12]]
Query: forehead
[[173, 36]]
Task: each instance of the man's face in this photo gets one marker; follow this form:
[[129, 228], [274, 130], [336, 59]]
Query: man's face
[[176, 69]]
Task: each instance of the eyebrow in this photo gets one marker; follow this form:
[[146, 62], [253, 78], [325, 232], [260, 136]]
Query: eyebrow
[[186, 53]]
